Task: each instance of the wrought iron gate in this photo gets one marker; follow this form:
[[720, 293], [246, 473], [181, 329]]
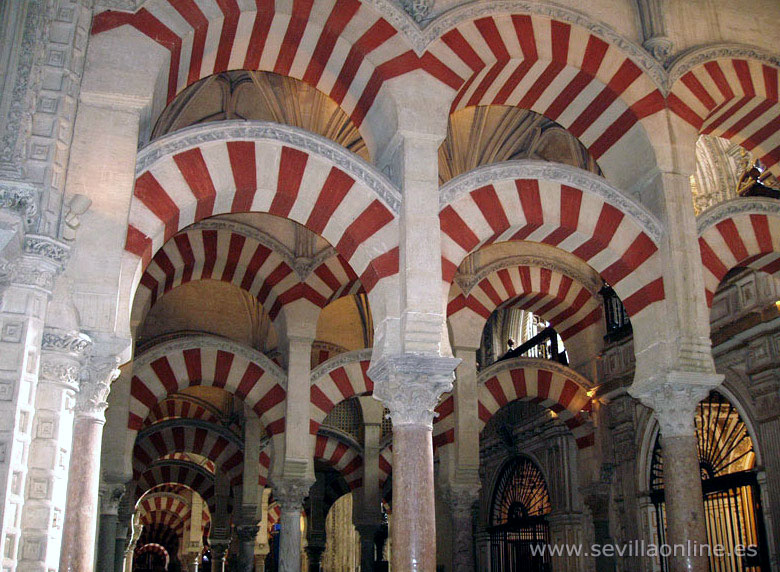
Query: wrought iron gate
[[732, 498]]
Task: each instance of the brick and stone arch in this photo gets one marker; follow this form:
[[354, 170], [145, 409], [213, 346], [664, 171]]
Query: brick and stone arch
[[174, 365], [240, 255], [337, 379], [568, 305], [168, 510], [740, 232], [181, 406], [263, 167], [551, 385], [172, 472], [731, 93], [344, 49], [560, 206], [213, 442], [341, 456], [597, 87]]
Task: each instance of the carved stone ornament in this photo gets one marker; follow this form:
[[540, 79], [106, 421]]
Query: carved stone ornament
[[20, 198], [289, 493], [96, 377], [64, 341], [410, 385], [111, 497], [60, 370], [247, 532], [734, 207], [417, 9], [674, 397]]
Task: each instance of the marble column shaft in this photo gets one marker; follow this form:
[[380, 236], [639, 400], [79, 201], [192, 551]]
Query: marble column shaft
[[247, 534], [674, 403], [79, 531], [409, 385], [290, 494]]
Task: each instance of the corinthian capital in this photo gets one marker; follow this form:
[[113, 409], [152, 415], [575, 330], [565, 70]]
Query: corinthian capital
[[410, 385], [290, 492], [95, 385], [673, 397]]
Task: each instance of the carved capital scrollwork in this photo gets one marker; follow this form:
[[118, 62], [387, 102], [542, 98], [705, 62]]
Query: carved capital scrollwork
[[111, 497], [673, 398], [410, 385], [96, 378], [247, 532], [22, 199], [65, 341], [289, 493]]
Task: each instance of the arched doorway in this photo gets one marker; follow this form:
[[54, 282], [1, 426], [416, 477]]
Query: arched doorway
[[732, 499], [518, 521]]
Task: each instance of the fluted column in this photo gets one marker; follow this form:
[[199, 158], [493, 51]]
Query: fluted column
[[78, 539], [462, 500], [410, 385], [674, 403], [289, 494], [247, 534]]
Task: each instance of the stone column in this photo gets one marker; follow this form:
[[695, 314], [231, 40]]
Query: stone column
[[110, 497], [462, 500], [78, 538], [219, 553], [674, 403], [367, 534], [290, 494], [315, 531], [314, 554], [410, 385], [247, 534], [124, 532]]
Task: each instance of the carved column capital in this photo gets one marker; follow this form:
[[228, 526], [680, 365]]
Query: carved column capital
[[289, 493], [247, 532], [410, 385], [95, 384], [111, 497], [219, 548], [673, 398]]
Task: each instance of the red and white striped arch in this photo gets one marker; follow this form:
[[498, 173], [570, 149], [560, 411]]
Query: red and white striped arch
[[567, 305], [591, 225], [235, 258], [189, 474], [560, 70], [175, 408], [341, 47], [189, 438], [154, 548], [749, 238], [553, 386], [385, 464], [205, 360], [342, 457], [338, 379], [167, 510], [735, 98], [262, 174], [559, 389]]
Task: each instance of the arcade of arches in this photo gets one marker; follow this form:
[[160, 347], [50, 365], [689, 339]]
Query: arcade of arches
[[389, 285]]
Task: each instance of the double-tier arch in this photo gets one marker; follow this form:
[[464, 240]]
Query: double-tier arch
[[235, 167]]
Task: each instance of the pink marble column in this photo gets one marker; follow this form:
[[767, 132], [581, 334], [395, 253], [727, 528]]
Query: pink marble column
[[81, 510], [410, 385], [674, 403]]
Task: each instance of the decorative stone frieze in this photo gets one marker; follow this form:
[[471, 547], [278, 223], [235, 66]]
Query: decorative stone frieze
[[417, 9], [410, 385]]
